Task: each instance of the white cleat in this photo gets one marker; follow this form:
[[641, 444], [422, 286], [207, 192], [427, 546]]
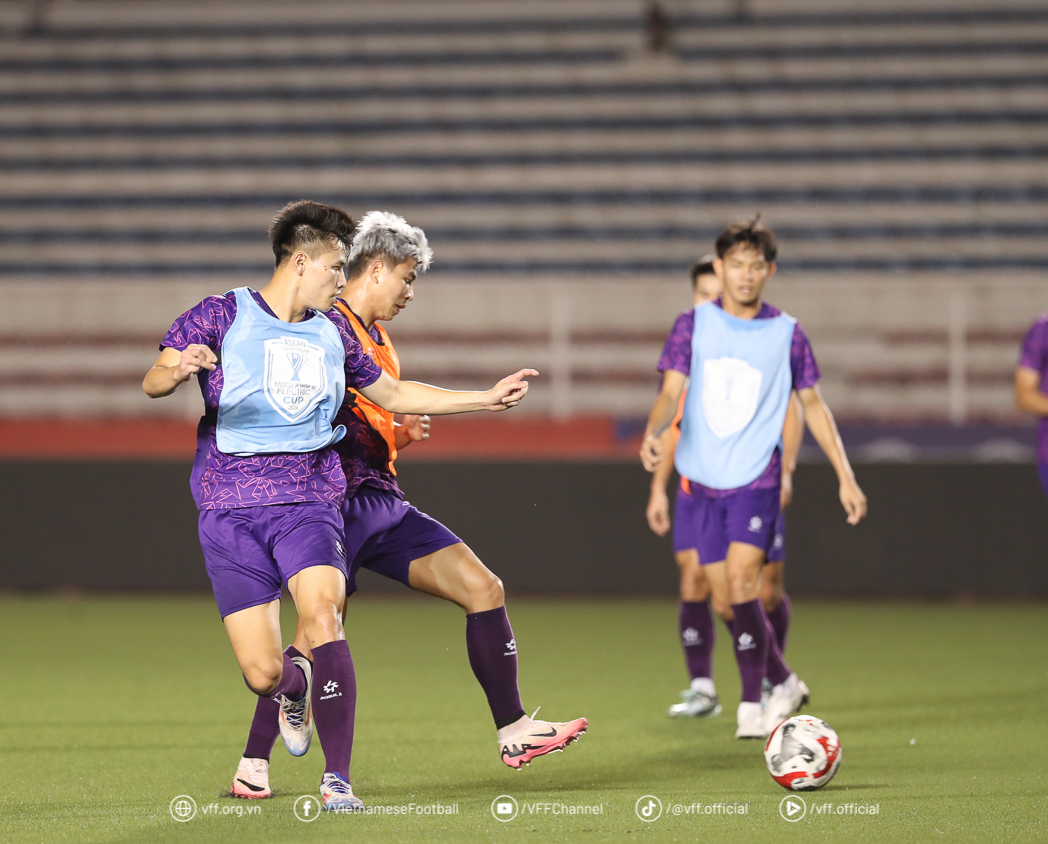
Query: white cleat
[[766, 688], [251, 781], [786, 698], [696, 704], [296, 716], [337, 795], [751, 725]]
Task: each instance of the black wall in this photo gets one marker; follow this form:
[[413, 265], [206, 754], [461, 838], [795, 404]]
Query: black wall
[[555, 527]]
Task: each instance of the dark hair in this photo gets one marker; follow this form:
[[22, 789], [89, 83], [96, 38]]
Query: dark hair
[[704, 266], [750, 232], [311, 227]]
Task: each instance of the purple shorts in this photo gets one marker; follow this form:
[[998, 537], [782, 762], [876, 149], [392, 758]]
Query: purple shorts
[[687, 521], [384, 534], [1042, 470], [250, 552], [684, 522], [747, 516], [777, 552]]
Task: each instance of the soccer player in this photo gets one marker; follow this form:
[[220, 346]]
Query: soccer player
[[744, 359], [701, 585], [273, 371], [385, 534], [1031, 388]]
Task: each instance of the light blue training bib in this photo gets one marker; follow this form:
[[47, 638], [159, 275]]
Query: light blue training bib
[[737, 398], [283, 382]]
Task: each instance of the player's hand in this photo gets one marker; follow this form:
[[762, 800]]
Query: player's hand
[[658, 512], [651, 452], [416, 428], [786, 490], [195, 358], [509, 392], [854, 501]]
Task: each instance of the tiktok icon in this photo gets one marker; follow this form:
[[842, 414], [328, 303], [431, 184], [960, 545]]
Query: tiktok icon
[[648, 808]]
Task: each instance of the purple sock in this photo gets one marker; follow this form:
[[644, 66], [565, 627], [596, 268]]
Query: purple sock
[[780, 621], [264, 726], [334, 704], [751, 630], [697, 637], [292, 683], [776, 669], [492, 653]]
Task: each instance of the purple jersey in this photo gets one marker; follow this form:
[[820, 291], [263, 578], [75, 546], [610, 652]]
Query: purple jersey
[[224, 481], [676, 355], [1035, 356]]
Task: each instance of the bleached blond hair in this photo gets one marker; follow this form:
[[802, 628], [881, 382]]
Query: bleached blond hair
[[381, 234]]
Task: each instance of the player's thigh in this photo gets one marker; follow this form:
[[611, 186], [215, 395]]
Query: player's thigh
[[320, 596], [254, 634], [693, 585], [743, 568], [456, 574]]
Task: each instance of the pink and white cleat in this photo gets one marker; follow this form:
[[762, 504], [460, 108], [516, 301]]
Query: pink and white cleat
[[251, 781], [529, 738]]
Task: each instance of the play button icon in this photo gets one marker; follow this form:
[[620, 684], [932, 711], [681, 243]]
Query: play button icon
[[792, 808]]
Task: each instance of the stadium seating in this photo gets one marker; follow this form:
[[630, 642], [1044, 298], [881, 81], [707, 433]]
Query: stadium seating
[[565, 176]]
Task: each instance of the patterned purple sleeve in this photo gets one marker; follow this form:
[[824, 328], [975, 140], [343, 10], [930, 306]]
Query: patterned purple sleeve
[[361, 369], [204, 324], [802, 361], [676, 354], [1035, 346]]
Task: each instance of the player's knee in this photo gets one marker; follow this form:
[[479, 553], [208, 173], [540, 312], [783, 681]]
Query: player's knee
[[771, 595], [485, 592], [743, 588], [694, 587], [263, 678], [693, 583], [722, 607], [322, 625]]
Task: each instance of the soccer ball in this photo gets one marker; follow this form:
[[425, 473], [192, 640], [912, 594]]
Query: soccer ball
[[803, 753]]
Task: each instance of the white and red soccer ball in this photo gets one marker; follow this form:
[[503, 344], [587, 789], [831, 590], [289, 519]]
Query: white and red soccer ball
[[803, 753]]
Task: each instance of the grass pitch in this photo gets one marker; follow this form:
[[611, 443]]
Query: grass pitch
[[113, 707]]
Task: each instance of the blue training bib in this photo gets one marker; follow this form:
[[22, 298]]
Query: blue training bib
[[737, 399], [283, 382]]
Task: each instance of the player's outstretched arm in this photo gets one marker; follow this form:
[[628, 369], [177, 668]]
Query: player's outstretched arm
[[423, 399], [792, 436], [666, 404], [824, 429], [1028, 395], [658, 511], [173, 368]]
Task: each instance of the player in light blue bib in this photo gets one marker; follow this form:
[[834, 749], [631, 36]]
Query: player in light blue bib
[[744, 359], [284, 382]]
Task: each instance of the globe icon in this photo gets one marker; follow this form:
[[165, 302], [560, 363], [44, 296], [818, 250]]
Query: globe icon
[[183, 808]]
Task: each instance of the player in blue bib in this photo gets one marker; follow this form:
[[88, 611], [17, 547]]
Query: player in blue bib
[[742, 360]]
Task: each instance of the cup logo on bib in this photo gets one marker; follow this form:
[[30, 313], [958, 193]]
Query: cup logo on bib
[[730, 393], [297, 361], [295, 376]]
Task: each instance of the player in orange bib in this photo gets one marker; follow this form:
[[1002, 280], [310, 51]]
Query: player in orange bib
[[388, 536]]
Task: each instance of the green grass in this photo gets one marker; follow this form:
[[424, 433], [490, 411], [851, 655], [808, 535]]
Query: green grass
[[114, 706]]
